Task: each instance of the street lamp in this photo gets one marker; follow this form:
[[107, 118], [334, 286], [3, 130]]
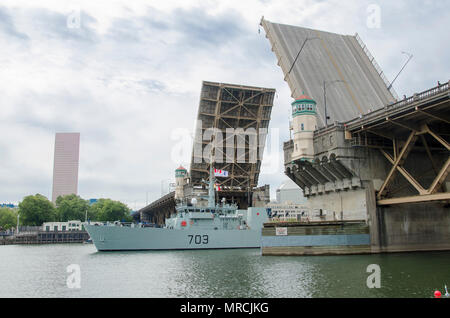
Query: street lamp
[[325, 83], [163, 181], [301, 48], [410, 56]]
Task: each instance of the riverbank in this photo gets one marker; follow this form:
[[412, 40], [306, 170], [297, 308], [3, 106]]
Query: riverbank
[[45, 237]]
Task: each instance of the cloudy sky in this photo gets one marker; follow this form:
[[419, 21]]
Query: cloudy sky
[[127, 75]]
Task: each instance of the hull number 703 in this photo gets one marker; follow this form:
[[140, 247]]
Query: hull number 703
[[198, 239]]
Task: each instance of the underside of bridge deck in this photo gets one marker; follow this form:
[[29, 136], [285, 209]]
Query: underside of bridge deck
[[414, 137]]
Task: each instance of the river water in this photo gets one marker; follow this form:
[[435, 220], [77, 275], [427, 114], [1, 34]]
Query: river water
[[41, 271]]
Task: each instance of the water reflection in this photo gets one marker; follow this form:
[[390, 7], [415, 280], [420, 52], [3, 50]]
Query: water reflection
[[40, 271]]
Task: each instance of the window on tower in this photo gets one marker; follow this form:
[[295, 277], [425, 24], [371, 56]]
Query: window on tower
[[302, 127]]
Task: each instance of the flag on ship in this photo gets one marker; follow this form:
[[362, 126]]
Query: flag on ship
[[220, 173]]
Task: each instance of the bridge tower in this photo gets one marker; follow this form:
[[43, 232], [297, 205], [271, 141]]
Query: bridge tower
[[180, 180], [304, 123]]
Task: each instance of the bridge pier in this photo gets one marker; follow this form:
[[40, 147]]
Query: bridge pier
[[412, 227]]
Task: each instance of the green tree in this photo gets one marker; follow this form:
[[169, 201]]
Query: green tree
[[35, 210], [109, 210], [71, 207], [8, 218]]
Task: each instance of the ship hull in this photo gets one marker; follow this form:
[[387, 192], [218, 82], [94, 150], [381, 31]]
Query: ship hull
[[123, 238]]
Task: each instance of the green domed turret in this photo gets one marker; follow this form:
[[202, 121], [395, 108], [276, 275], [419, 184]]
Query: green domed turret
[[304, 123], [180, 172], [303, 105]]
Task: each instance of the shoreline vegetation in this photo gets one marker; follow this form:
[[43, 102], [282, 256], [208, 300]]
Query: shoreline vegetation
[[34, 210]]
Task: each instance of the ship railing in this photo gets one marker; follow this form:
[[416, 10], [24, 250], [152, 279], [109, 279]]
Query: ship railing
[[127, 223], [118, 223], [304, 219]]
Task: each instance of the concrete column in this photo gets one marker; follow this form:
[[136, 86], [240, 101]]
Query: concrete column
[[371, 205]]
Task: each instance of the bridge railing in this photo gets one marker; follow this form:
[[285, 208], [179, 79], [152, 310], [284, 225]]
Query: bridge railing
[[404, 102], [363, 141], [329, 128], [375, 64]]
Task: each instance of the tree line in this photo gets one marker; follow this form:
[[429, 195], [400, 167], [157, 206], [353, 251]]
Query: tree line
[[36, 209]]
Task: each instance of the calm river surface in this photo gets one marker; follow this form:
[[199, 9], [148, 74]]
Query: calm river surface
[[41, 271]]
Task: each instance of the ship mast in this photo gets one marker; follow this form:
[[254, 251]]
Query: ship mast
[[212, 181], [211, 191]]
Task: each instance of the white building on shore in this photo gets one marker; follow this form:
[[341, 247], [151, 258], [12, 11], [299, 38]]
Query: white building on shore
[[74, 225], [291, 205], [290, 193]]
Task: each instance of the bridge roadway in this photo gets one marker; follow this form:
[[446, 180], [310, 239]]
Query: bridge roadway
[[315, 61], [159, 210]]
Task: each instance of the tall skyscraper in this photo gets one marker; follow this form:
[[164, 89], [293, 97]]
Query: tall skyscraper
[[65, 166]]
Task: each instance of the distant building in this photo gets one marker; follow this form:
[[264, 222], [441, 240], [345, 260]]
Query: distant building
[[290, 193], [290, 204], [65, 165], [74, 225], [8, 205]]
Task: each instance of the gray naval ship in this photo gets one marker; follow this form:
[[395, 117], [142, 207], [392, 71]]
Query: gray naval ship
[[215, 226]]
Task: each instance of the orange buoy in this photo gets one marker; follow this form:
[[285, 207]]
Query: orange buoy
[[183, 223], [437, 294]]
